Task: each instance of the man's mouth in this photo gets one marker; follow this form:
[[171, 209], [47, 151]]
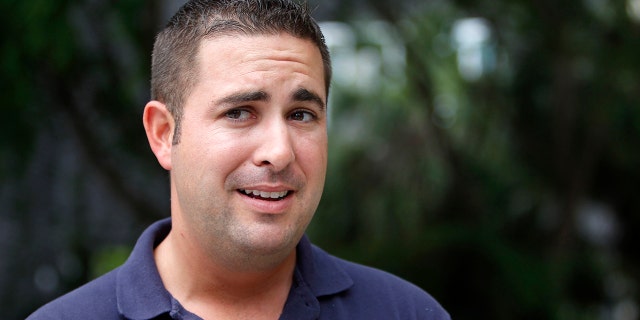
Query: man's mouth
[[264, 195]]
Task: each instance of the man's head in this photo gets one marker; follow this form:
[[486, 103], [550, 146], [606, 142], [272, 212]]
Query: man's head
[[174, 68], [250, 103]]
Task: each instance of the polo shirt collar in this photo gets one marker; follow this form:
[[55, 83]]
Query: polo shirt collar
[[141, 294], [139, 288], [316, 275], [319, 270]]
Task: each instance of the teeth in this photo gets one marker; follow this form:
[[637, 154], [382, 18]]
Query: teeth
[[267, 195]]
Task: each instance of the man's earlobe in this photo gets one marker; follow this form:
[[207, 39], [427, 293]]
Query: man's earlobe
[[159, 126]]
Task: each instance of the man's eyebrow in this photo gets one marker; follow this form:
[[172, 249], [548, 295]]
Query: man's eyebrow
[[303, 94], [245, 97]]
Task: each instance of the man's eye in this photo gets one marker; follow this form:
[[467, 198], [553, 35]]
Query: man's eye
[[304, 116], [238, 114]]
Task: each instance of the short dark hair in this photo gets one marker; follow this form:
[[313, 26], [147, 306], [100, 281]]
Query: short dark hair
[[174, 60]]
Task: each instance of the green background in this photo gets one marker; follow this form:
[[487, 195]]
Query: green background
[[507, 193]]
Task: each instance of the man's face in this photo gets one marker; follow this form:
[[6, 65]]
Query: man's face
[[248, 172]]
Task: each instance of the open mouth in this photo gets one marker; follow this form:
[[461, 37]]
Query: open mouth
[[264, 195]]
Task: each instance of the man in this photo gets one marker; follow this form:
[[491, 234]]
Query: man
[[239, 119]]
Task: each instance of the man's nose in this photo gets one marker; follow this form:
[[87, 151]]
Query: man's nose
[[275, 146]]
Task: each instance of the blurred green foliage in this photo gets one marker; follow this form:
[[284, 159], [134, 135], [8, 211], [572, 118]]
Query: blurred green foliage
[[107, 259], [510, 194]]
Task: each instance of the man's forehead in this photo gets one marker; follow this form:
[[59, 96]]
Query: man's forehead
[[227, 53]]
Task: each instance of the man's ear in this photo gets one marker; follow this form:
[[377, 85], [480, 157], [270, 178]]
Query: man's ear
[[159, 126]]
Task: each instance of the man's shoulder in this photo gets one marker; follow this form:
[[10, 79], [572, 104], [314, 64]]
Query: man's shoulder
[[97, 297], [134, 288], [376, 282], [378, 292]]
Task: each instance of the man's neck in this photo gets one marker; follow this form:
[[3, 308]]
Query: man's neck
[[212, 290]]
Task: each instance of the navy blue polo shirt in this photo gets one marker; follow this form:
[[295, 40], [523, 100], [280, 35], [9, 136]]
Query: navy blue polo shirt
[[324, 287]]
